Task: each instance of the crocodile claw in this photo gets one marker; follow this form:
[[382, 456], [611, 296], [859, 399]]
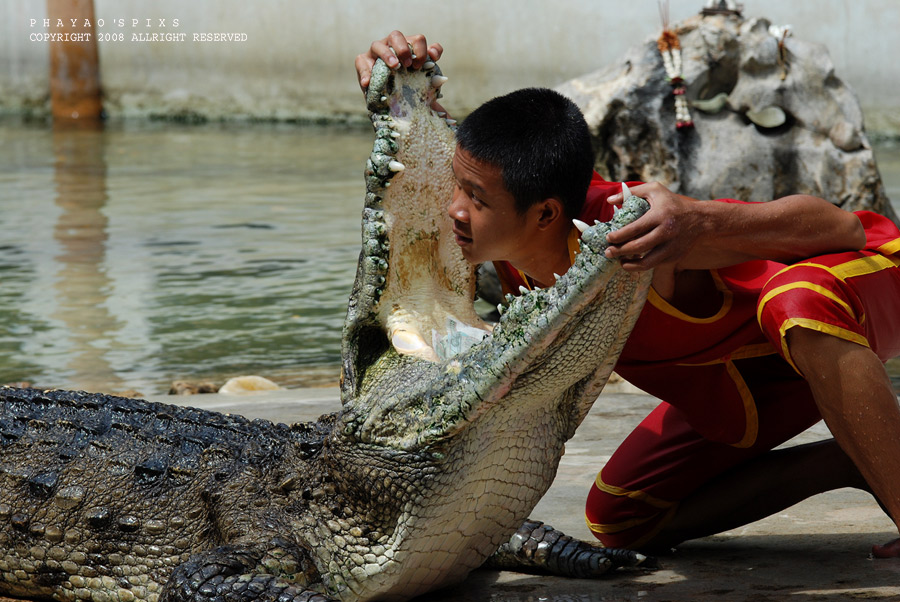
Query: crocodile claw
[[537, 547]]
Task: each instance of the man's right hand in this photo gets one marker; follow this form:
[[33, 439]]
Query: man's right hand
[[395, 50]]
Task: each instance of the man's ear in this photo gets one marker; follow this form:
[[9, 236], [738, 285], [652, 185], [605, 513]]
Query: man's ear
[[548, 212]]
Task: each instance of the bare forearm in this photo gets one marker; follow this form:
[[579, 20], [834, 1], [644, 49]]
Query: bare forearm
[[684, 233], [787, 229]]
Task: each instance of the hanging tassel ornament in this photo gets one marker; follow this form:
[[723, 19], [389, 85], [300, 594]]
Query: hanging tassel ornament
[[670, 50]]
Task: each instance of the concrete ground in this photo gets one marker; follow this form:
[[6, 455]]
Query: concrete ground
[[816, 550]]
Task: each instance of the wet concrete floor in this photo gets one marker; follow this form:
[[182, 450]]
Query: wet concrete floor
[[816, 550]]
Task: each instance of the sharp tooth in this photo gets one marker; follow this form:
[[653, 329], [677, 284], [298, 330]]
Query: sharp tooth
[[438, 80], [441, 113], [383, 98], [523, 290], [615, 210], [428, 65], [450, 121], [395, 134], [580, 225], [556, 276], [396, 166], [408, 342], [625, 191]]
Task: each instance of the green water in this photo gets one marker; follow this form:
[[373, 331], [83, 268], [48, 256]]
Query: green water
[[144, 254], [137, 256]]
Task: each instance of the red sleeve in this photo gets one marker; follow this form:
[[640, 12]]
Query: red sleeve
[[595, 205], [881, 233]]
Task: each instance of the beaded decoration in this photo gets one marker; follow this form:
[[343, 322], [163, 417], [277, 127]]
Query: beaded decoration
[[670, 50]]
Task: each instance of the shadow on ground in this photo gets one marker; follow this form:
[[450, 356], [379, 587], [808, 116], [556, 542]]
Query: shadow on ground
[[755, 568]]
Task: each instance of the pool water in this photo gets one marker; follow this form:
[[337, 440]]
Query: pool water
[[141, 255], [149, 253]]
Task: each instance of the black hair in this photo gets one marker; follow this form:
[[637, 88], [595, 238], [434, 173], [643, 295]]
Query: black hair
[[539, 140]]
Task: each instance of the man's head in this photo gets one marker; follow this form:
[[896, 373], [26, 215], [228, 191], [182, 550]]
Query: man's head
[[540, 142], [523, 164]]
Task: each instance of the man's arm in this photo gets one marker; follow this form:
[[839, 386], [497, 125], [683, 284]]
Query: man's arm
[[694, 234]]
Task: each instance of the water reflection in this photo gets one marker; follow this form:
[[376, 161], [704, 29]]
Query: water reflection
[[82, 285], [173, 253]]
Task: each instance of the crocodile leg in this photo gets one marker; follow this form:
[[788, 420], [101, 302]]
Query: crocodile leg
[[278, 572], [537, 547]]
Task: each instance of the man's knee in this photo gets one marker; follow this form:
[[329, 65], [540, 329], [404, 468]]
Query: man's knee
[[620, 520]]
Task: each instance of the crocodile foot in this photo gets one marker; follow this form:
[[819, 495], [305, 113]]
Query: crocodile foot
[[277, 572], [537, 547]]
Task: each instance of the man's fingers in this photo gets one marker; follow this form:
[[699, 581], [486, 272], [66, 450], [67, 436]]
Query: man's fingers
[[633, 264], [644, 241], [435, 51], [382, 49], [419, 51], [642, 261], [401, 48], [363, 65], [395, 50], [632, 231]]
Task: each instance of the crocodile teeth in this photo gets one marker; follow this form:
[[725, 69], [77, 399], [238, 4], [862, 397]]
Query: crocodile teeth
[[450, 121], [523, 290], [396, 166], [395, 134], [406, 341], [580, 225], [438, 80], [625, 191], [428, 65]]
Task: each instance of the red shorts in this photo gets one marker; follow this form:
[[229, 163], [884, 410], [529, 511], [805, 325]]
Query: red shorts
[[850, 295]]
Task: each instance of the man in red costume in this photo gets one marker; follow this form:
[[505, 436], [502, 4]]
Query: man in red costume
[[763, 318]]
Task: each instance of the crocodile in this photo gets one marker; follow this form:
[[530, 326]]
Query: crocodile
[[450, 429]]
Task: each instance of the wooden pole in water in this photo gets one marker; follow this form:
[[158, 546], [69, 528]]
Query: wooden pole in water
[[74, 62]]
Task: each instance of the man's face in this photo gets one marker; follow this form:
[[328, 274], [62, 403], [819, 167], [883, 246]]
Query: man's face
[[485, 221]]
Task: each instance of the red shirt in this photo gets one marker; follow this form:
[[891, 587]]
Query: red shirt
[[688, 360]]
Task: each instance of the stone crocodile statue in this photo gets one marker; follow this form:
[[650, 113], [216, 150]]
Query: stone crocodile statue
[[450, 431]]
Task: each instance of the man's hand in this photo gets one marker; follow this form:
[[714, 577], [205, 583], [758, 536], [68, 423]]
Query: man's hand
[[395, 50], [665, 234]]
